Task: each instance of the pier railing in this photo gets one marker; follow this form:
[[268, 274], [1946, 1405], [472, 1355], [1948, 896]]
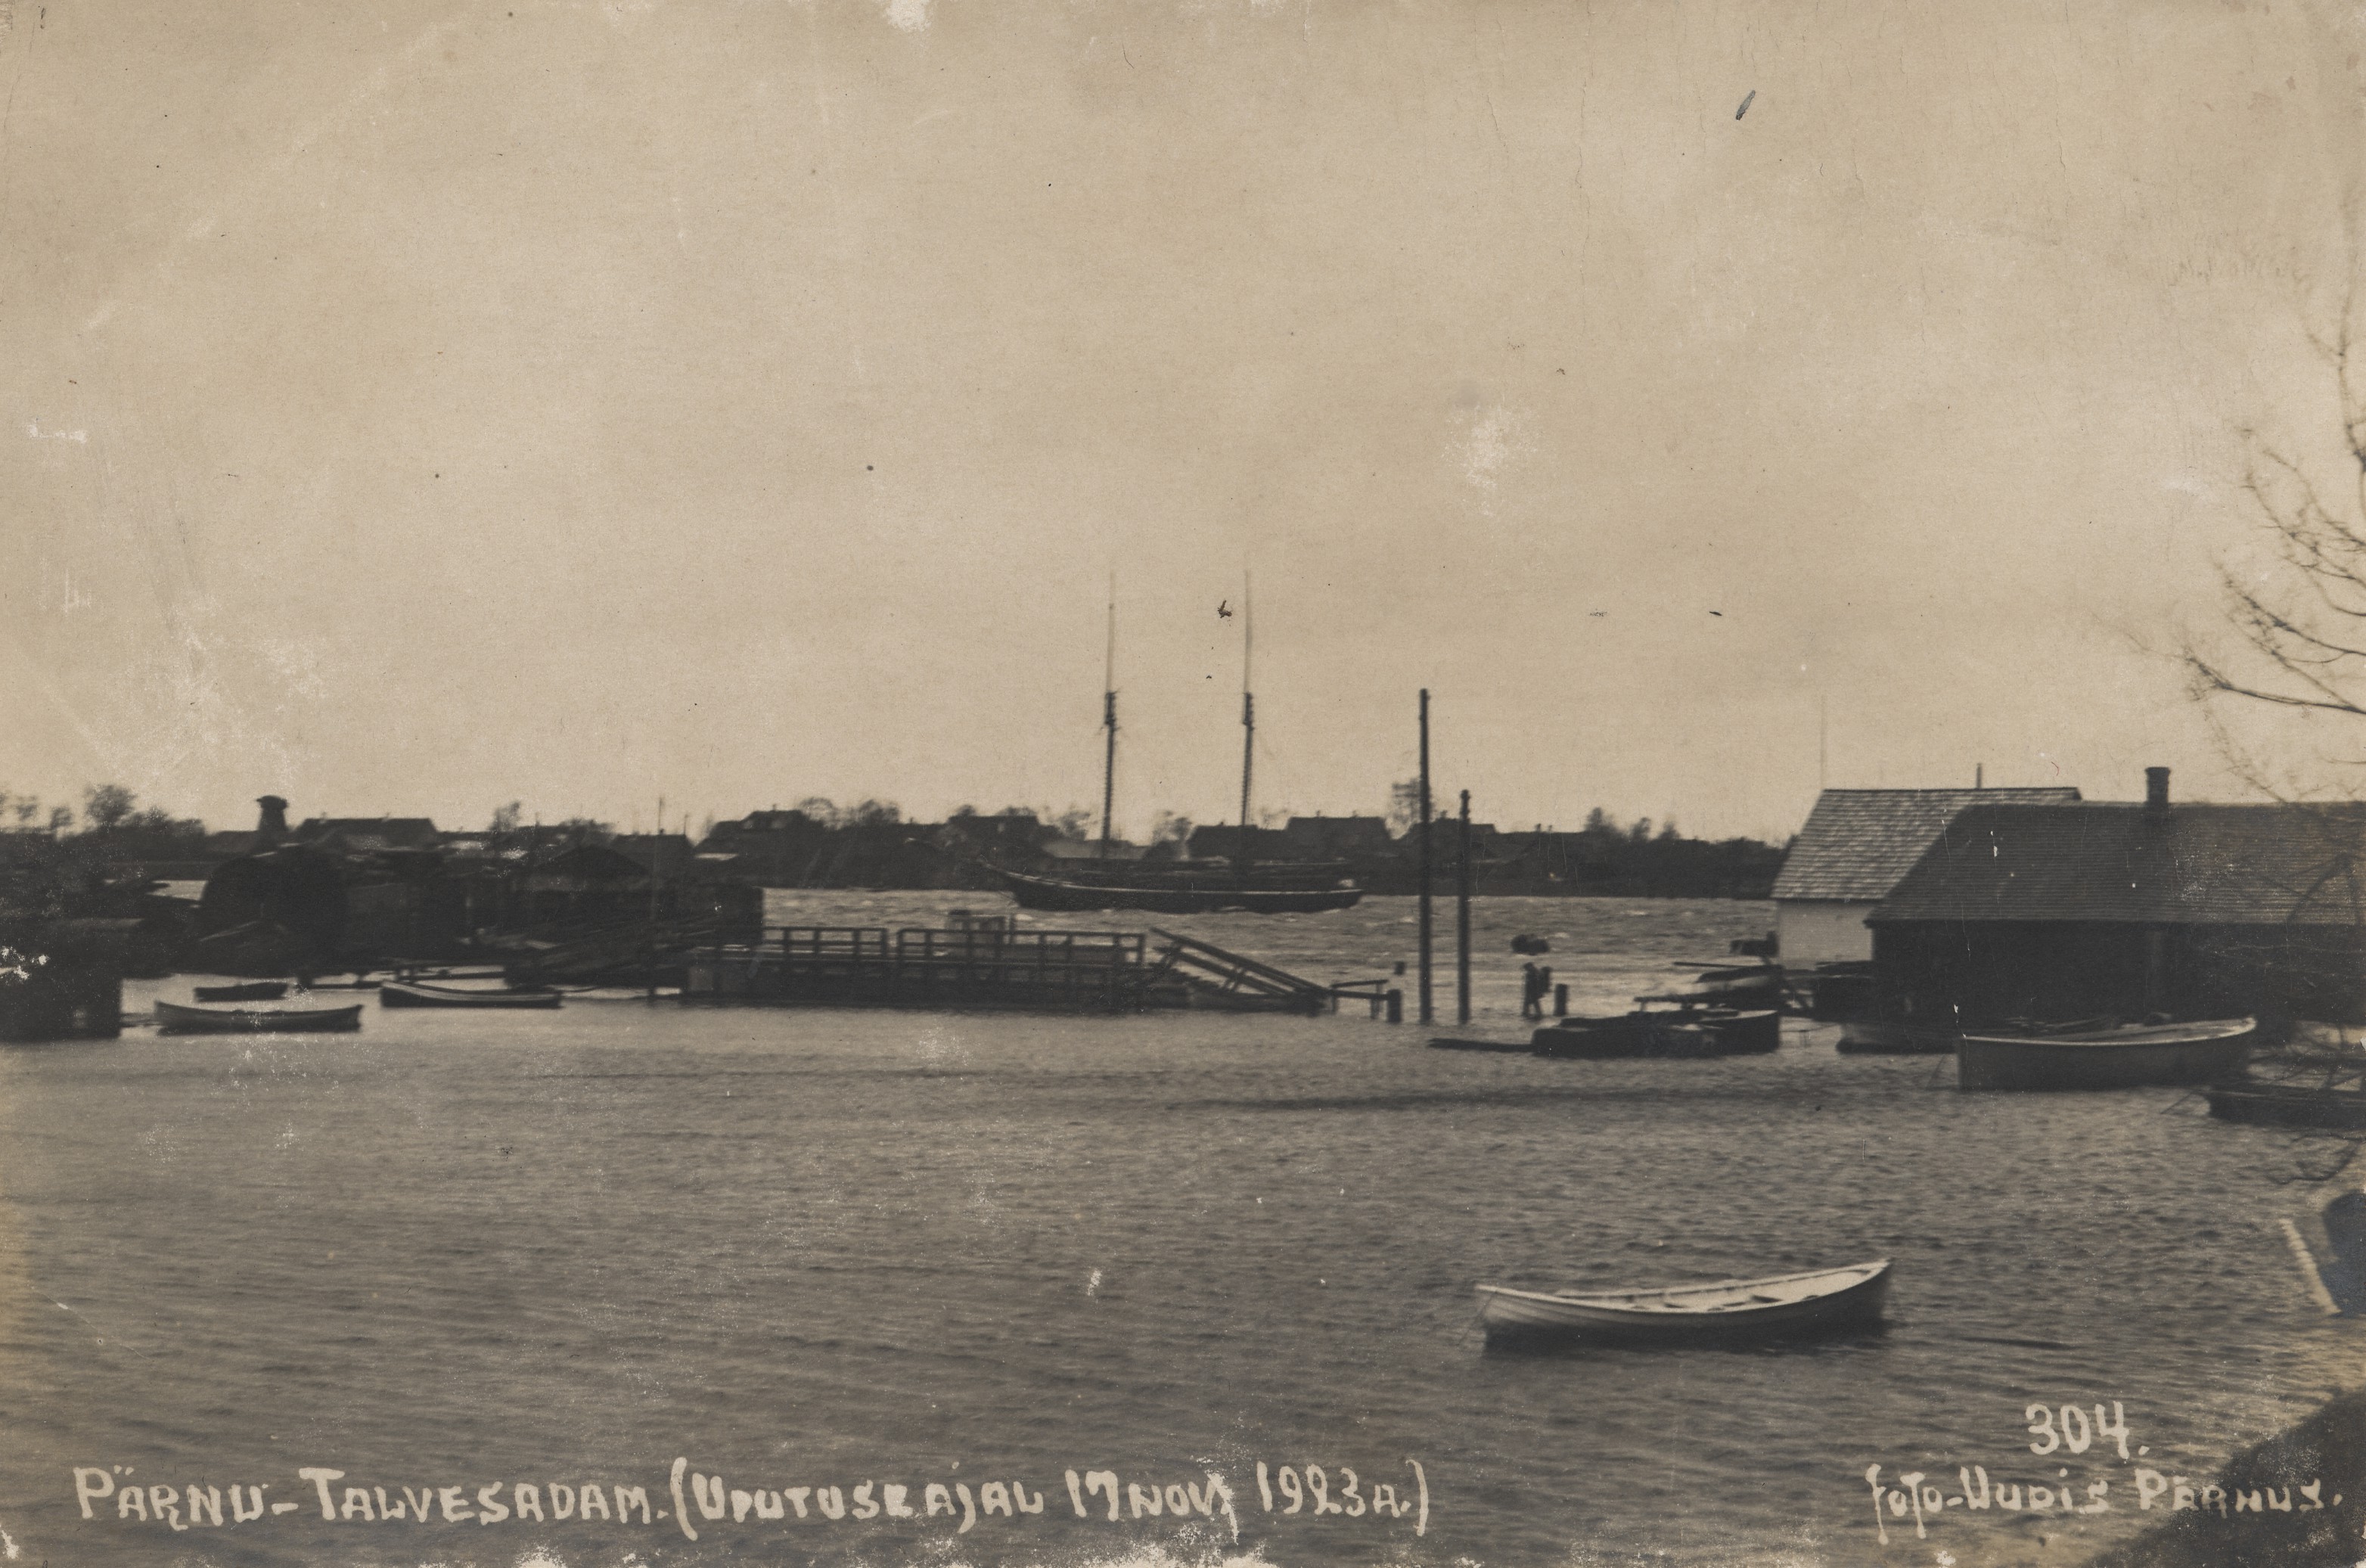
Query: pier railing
[[872, 965]]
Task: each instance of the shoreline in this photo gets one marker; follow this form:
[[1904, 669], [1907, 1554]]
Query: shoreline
[[2293, 1500]]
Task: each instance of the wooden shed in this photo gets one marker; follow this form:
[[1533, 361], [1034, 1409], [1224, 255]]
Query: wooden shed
[[2124, 909]]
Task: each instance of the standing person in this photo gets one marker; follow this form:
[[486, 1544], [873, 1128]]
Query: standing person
[[1529, 994], [1544, 987]]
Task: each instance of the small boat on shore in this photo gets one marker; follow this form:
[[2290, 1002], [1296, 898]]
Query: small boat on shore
[[1818, 1301], [2118, 1056], [251, 991], [2288, 1105], [1896, 1037], [173, 1018], [419, 994], [1449, 1042]]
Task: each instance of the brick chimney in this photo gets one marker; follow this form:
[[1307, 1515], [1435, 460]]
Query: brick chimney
[[2157, 790]]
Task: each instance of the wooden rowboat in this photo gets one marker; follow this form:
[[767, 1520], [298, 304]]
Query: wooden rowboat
[[251, 991], [1820, 1301], [1690, 1033], [2127, 1056], [2288, 1105], [1896, 1037], [419, 993], [1665, 1035], [173, 1018]]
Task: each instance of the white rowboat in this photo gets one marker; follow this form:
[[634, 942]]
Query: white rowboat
[[173, 1018], [1782, 1305], [2123, 1057]]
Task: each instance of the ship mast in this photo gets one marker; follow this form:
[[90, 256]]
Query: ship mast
[[1249, 713], [1108, 720]]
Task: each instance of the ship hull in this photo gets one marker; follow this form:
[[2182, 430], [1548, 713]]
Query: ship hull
[[1175, 896]]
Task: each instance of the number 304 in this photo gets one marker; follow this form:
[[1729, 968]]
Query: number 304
[[2069, 1427]]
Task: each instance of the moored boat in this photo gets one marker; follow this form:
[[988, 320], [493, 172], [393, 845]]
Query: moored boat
[[1629, 1034], [2317, 1034], [1818, 1301], [1687, 1033], [1896, 1037], [1754, 985], [1745, 1031], [1271, 889], [421, 994], [173, 1018], [2123, 1057], [1238, 881], [2288, 1105], [251, 991]]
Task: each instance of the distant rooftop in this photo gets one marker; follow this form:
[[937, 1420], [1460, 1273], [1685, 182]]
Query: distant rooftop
[[1858, 842], [371, 832]]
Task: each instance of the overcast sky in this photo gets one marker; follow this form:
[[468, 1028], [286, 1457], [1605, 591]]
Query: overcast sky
[[419, 405]]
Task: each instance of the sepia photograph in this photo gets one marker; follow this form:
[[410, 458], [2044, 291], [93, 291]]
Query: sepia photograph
[[1182, 784]]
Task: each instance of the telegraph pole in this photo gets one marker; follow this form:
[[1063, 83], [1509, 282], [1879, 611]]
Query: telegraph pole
[[1462, 918], [1108, 721], [1428, 1007]]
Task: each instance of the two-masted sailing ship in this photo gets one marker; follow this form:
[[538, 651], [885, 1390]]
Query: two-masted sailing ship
[[1185, 886]]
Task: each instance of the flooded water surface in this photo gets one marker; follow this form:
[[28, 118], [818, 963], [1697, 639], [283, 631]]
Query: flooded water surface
[[916, 1269]]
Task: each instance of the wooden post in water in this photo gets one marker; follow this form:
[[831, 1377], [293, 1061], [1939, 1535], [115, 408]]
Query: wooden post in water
[[1428, 1007], [1462, 917]]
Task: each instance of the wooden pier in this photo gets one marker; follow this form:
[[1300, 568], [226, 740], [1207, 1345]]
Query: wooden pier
[[873, 966], [987, 964]]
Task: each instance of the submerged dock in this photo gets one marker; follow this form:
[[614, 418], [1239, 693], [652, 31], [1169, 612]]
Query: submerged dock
[[990, 964]]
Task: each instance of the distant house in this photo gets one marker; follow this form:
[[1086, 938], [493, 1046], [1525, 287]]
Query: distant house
[[2111, 909], [667, 855], [778, 849], [367, 835], [1856, 846], [1337, 838]]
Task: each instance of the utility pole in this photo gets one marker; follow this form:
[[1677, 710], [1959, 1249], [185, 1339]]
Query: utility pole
[[1428, 1007], [1462, 918], [656, 851], [1248, 715], [1108, 721]]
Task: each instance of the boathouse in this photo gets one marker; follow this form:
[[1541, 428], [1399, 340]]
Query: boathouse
[[1856, 845], [2124, 909]]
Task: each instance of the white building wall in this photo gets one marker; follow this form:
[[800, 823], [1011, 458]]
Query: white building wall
[[1820, 931]]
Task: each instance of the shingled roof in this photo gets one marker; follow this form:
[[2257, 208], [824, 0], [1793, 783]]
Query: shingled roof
[[1858, 842], [2130, 863]]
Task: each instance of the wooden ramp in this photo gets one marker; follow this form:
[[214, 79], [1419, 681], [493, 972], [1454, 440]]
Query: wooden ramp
[[1217, 977]]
